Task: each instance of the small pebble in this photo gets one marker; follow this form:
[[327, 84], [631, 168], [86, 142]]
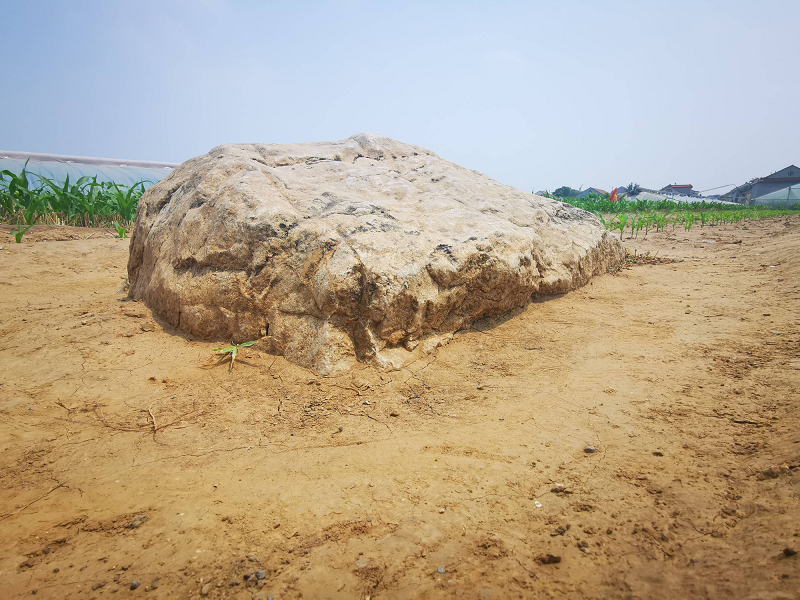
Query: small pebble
[[789, 551], [440, 570], [154, 584], [590, 449], [135, 584], [206, 589], [261, 574], [56, 570]]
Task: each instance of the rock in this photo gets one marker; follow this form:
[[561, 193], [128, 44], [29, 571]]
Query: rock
[[135, 584], [98, 585], [771, 473], [558, 488], [789, 552], [590, 449], [336, 252], [206, 589], [154, 583], [440, 570], [136, 522], [260, 574], [549, 559]]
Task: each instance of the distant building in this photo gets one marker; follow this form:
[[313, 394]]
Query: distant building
[[740, 194], [592, 190], [683, 190], [780, 180], [767, 188]]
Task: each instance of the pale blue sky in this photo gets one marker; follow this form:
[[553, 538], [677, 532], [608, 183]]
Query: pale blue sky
[[534, 94]]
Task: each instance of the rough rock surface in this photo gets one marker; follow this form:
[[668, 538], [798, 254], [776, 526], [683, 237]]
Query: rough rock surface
[[353, 250]]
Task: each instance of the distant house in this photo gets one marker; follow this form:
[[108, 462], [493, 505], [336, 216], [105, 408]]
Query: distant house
[[592, 190], [780, 180], [766, 190], [740, 194], [682, 189]]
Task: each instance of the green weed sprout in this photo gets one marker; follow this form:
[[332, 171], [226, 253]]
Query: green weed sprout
[[233, 349], [121, 231]]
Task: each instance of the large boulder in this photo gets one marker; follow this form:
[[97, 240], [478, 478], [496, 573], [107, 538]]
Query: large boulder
[[354, 250]]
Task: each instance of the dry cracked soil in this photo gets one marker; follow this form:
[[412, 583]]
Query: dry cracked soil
[[636, 438]]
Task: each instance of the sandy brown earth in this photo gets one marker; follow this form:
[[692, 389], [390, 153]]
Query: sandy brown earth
[[128, 454]]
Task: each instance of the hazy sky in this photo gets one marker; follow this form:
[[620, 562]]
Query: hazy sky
[[534, 94]]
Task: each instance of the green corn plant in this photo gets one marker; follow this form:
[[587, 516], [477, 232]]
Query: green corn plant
[[19, 232], [65, 198], [92, 201], [232, 350], [127, 200], [29, 204], [121, 231], [637, 222], [619, 222]]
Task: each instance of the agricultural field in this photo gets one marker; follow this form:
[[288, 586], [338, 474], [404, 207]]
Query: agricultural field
[[27, 199], [636, 438], [635, 216]]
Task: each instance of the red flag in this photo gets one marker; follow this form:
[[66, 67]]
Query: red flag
[[614, 195]]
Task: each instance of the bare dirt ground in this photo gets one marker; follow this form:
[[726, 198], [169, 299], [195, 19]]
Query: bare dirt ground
[[128, 455]]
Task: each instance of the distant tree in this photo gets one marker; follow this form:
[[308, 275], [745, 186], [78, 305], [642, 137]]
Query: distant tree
[[565, 192], [633, 189]]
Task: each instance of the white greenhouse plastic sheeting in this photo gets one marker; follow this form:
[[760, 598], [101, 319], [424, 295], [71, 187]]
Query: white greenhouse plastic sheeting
[[57, 167], [785, 197], [674, 198]]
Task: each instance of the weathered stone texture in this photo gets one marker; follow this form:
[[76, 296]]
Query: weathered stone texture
[[353, 250]]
